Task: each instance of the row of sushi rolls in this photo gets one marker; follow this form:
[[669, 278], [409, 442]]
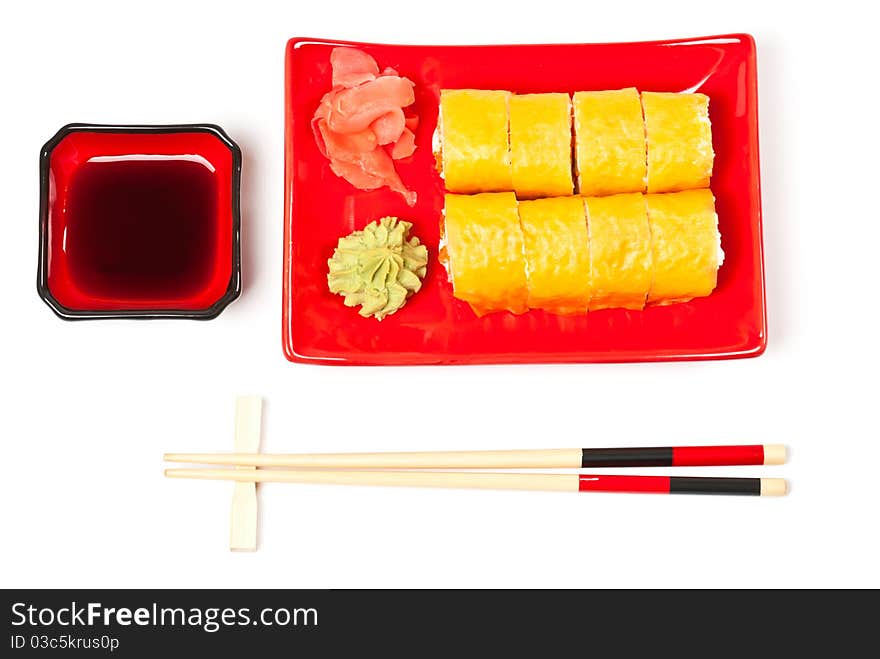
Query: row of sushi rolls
[[564, 203]]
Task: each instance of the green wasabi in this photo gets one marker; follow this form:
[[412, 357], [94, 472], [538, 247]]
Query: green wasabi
[[378, 268]]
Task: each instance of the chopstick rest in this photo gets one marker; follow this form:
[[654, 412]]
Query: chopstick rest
[[245, 512]]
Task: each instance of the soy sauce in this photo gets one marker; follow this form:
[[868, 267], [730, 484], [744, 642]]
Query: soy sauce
[[141, 229]]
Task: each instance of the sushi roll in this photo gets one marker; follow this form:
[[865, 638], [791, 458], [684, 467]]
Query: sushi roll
[[540, 145], [609, 142], [679, 136], [685, 245], [557, 254], [484, 252], [472, 142], [621, 263]]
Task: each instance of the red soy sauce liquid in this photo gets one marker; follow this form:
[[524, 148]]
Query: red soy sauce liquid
[[141, 229]]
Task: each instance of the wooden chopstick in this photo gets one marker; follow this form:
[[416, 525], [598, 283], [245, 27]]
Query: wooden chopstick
[[501, 481], [668, 456]]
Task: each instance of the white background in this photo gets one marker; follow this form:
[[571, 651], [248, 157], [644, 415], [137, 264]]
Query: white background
[[88, 408]]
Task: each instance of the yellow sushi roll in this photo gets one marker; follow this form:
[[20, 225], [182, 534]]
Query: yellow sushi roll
[[609, 142], [685, 245], [557, 254], [679, 136], [540, 145], [621, 263], [473, 140], [484, 248]]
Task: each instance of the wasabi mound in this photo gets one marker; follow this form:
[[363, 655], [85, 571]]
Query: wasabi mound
[[378, 268]]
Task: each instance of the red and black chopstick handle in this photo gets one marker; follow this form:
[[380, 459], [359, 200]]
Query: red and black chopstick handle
[[683, 456], [682, 485]]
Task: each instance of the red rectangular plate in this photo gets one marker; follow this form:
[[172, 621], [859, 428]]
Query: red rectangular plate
[[435, 328]]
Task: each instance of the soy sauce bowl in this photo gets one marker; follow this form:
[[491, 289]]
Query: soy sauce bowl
[[139, 222]]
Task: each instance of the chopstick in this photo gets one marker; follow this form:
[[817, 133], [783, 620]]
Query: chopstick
[[668, 456], [502, 481]]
